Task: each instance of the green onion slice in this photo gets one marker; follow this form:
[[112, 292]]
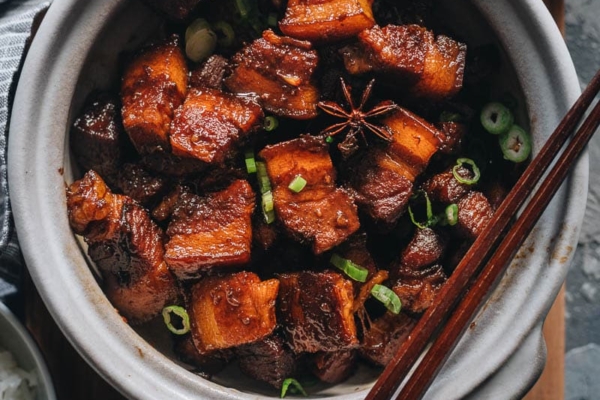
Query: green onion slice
[[451, 214], [271, 123], [196, 26], [263, 179], [181, 313], [297, 184], [459, 163], [387, 296], [329, 139], [351, 269], [250, 161], [431, 220], [496, 118], [225, 33], [293, 386], [515, 144], [201, 45], [267, 201]]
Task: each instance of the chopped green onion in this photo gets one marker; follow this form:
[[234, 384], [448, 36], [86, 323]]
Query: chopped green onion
[[297, 184], [451, 214], [272, 20], [447, 116], [271, 123], [250, 162], [515, 144], [351, 269], [264, 186], [181, 313], [263, 179], [459, 163], [295, 388], [387, 296], [201, 45], [496, 118], [196, 26], [243, 8], [329, 139], [431, 220], [225, 33], [267, 201]]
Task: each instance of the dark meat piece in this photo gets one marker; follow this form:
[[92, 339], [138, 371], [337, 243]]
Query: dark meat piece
[[210, 74], [207, 364], [264, 235], [97, 138], [126, 246], [231, 310], [214, 231], [315, 309], [444, 188], [168, 164], [417, 288], [431, 67], [320, 214], [279, 70], [136, 182], [175, 10], [384, 178], [425, 248], [267, 360], [355, 250], [210, 124], [334, 367], [326, 20], [385, 336], [167, 205], [451, 135], [474, 213], [154, 84]]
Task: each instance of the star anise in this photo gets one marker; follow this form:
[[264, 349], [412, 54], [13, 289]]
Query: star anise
[[356, 119]]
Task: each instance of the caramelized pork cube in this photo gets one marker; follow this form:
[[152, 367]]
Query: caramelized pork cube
[[168, 164], [474, 213], [279, 70], [326, 20], [355, 250], [268, 360], [214, 231], [228, 311], [451, 135], [425, 248], [210, 124], [125, 244], [176, 10], [139, 184], [334, 367], [444, 188], [320, 214], [97, 138], [207, 364], [315, 310], [385, 336], [154, 84], [417, 288], [356, 59], [210, 74]]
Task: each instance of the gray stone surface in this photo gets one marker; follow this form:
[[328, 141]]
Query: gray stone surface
[[583, 282]]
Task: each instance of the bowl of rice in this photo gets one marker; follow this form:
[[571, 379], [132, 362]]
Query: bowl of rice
[[23, 372]]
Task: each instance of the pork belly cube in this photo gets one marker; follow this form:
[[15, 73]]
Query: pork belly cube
[[320, 214], [334, 367], [326, 20], [451, 135], [383, 186], [169, 164], [154, 84], [175, 10], [356, 59], [279, 70], [355, 250], [315, 310], [424, 249], [444, 69], [141, 185], [206, 364], [125, 244], [474, 213], [228, 311], [384, 337], [97, 137], [210, 124], [211, 232], [444, 188], [210, 74], [417, 288], [268, 360]]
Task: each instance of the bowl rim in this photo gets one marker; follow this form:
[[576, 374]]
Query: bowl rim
[[35, 168]]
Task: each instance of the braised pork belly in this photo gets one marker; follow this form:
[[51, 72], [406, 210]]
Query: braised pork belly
[[268, 360], [417, 289], [444, 188], [385, 336], [474, 213], [335, 366], [140, 184], [210, 74]]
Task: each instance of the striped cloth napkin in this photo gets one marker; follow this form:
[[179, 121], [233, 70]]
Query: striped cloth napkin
[[17, 18]]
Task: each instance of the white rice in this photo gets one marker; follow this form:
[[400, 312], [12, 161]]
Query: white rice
[[15, 384]]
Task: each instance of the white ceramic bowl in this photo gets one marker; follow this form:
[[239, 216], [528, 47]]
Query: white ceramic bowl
[[75, 51]]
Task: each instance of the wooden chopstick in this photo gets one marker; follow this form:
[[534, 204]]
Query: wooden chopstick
[[480, 252]]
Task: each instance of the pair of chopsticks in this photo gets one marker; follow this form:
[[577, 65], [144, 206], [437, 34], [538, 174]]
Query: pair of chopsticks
[[489, 256]]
